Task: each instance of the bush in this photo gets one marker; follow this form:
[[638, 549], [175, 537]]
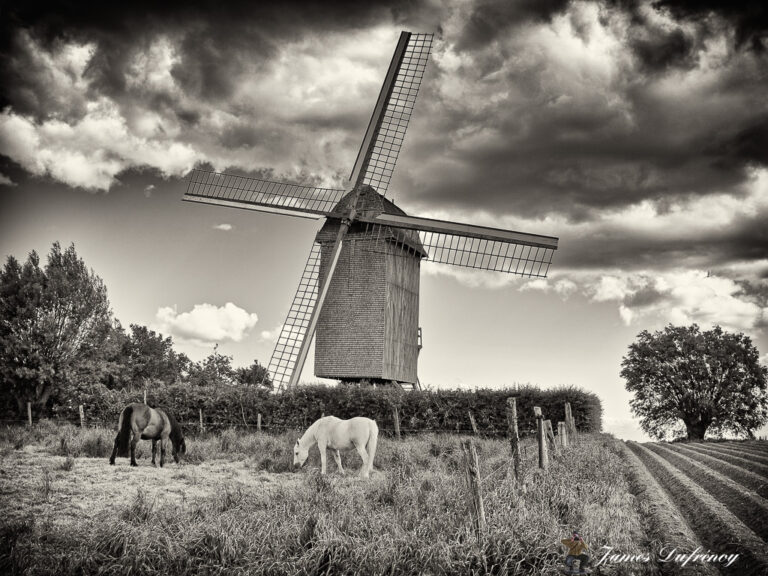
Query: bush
[[419, 411]]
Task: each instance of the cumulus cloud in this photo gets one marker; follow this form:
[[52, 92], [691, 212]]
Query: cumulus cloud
[[224, 227], [271, 335], [5, 181], [206, 323]]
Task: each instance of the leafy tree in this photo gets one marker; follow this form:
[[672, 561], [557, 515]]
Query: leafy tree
[[254, 375], [151, 358], [712, 381], [52, 320], [215, 370]]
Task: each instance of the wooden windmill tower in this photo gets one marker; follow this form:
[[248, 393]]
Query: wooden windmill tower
[[359, 293]]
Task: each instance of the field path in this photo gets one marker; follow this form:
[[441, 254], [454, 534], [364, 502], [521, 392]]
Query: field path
[[717, 527]]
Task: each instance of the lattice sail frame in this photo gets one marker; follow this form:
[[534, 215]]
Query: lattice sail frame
[[294, 329], [384, 148], [479, 253], [261, 195]]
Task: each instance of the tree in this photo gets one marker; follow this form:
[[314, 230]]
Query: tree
[[254, 375], [151, 358], [52, 320], [712, 381], [214, 370]]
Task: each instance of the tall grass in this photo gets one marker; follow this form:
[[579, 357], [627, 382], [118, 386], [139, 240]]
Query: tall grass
[[411, 517]]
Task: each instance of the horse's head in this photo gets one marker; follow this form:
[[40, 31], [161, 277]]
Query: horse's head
[[299, 455], [177, 439]]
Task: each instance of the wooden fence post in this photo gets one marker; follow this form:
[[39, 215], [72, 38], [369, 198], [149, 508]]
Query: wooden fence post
[[242, 411], [514, 437], [570, 423], [29, 413], [541, 438], [472, 421], [82, 416], [472, 471], [551, 437], [562, 434], [258, 422], [202, 428], [396, 420], [145, 396]]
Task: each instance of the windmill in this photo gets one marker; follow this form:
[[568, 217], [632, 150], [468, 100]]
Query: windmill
[[359, 292]]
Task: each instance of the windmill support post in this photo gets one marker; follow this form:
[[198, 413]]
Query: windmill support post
[[473, 423], [541, 438], [514, 437], [472, 476], [551, 438]]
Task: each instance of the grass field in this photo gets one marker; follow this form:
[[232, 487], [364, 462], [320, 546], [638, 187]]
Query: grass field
[[236, 507]]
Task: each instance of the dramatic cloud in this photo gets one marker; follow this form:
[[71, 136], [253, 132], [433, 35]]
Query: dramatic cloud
[[206, 323], [5, 181], [636, 131]]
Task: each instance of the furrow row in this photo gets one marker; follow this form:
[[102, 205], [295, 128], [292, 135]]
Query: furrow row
[[746, 505], [718, 528]]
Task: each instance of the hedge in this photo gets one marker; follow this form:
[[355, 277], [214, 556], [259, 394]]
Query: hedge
[[419, 411]]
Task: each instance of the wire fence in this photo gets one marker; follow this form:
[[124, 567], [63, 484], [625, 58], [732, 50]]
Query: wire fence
[[213, 425]]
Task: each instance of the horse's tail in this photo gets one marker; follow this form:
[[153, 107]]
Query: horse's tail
[[124, 434], [373, 440]]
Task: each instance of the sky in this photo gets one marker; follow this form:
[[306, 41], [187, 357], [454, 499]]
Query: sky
[[636, 132]]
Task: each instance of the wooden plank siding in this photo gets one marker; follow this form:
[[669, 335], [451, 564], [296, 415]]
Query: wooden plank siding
[[368, 326], [402, 316]]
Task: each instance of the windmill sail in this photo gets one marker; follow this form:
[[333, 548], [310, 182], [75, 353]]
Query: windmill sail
[[294, 330], [261, 195], [382, 141], [465, 245]]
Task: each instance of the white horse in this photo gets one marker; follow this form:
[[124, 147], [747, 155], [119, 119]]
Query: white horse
[[337, 434]]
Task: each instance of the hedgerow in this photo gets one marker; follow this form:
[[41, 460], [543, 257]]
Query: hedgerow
[[419, 411]]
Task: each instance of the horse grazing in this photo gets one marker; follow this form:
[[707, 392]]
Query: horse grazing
[[147, 423], [337, 434]]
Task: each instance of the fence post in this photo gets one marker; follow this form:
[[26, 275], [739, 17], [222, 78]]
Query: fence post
[[472, 472], [569, 421], [514, 437], [145, 396], [242, 411], [202, 428], [551, 437], [541, 437], [258, 422], [29, 413], [562, 434], [472, 421], [82, 416], [396, 419]]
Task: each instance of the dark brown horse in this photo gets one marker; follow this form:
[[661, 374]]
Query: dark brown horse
[[140, 422]]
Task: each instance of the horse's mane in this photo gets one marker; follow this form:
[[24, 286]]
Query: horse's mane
[[310, 432]]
